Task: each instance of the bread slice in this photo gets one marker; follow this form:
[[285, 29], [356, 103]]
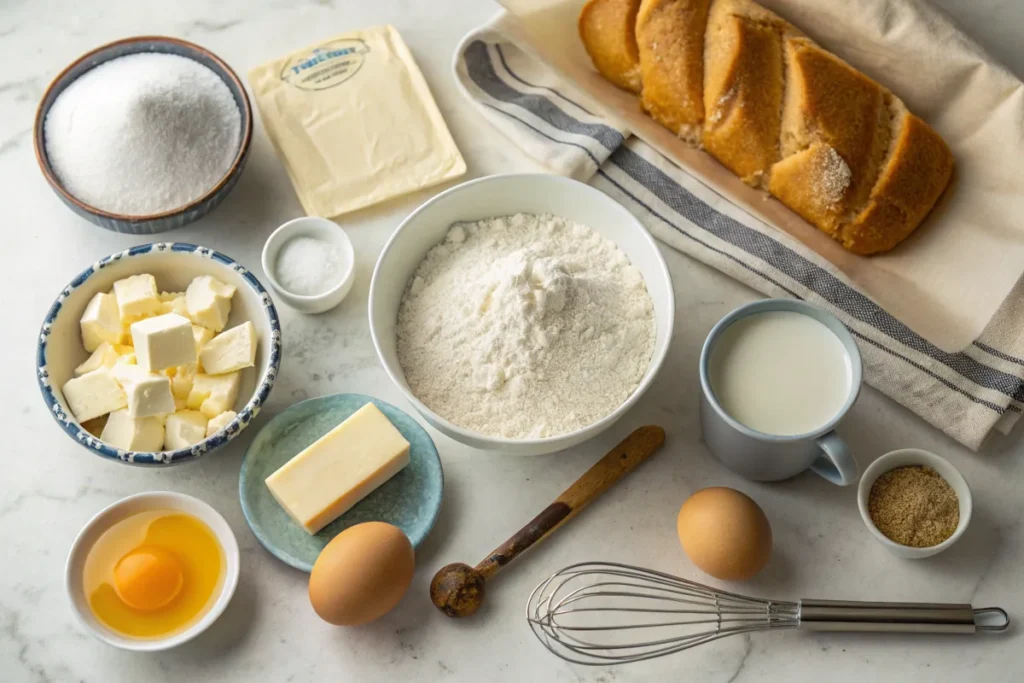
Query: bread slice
[[670, 39], [916, 171], [608, 31], [743, 88]]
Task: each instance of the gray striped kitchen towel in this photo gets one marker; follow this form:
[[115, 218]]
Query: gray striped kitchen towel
[[965, 394]]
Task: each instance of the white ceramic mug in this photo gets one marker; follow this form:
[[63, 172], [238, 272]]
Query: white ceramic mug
[[771, 457]]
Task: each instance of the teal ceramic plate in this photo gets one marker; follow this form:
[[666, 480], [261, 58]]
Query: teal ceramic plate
[[410, 500]]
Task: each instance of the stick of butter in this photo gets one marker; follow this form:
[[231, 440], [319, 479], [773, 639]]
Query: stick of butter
[[354, 122], [340, 469]]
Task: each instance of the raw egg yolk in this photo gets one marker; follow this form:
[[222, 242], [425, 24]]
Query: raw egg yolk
[[148, 578]]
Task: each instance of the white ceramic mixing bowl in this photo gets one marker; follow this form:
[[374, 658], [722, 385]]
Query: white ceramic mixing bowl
[[499, 196]]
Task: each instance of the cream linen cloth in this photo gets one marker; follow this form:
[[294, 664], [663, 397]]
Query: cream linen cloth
[[965, 394]]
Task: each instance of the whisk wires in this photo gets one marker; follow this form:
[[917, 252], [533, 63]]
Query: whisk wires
[[596, 613]]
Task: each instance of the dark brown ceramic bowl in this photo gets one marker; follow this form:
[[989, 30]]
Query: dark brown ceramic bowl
[[160, 222]]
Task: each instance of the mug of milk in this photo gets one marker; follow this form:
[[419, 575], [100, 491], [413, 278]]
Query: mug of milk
[[777, 376]]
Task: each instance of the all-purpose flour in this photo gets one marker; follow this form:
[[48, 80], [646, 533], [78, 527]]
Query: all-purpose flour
[[525, 326]]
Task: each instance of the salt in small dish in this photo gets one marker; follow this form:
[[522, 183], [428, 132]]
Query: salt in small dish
[[122, 509], [909, 457], [320, 229]]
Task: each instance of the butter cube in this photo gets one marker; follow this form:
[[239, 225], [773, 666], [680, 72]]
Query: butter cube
[[101, 322], [201, 335], [126, 353], [176, 305], [93, 394], [230, 351], [214, 394], [219, 422], [137, 297], [182, 378], [148, 393], [133, 434], [169, 296], [103, 357], [209, 302], [183, 429], [340, 469], [163, 341], [180, 404]]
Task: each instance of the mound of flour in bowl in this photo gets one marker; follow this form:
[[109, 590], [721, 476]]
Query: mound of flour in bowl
[[525, 326]]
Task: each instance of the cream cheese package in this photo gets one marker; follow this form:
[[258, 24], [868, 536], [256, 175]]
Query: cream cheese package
[[354, 122]]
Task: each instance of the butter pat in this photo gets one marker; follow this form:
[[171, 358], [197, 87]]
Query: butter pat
[[147, 393], [101, 322], [340, 469], [230, 351], [208, 301], [133, 434], [174, 305], [163, 342], [93, 394], [182, 378], [103, 357], [137, 297], [354, 122], [214, 394], [201, 335], [219, 422], [183, 429]]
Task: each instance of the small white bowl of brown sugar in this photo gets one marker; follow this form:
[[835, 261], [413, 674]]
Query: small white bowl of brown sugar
[[915, 503]]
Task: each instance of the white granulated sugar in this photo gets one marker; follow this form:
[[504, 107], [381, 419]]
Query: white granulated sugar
[[525, 326], [308, 266], [143, 134]]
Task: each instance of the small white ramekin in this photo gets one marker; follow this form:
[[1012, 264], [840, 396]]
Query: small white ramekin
[[321, 229], [908, 457], [114, 513]]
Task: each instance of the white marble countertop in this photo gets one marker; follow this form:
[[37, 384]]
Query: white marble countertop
[[50, 486]]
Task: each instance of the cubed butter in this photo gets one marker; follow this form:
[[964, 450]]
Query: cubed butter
[[209, 302], [163, 341], [176, 305], [137, 297], [219, 422], [103, 357], [127, 353], [340, 469], [148, 393], [230, 351], [169, 296], [201, 335], [129, 433], [213, 394], [183, 429], [182, 378], [101, 322], [93, 394]]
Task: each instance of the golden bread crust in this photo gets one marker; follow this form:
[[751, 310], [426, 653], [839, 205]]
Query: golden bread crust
[[608, 31]]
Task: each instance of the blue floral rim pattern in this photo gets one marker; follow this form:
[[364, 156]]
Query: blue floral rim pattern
[[71, 426]]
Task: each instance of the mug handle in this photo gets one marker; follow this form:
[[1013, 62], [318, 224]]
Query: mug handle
[[835, 463]]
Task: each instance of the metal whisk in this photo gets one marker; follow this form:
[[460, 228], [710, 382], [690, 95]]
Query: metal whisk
[[601, 613]]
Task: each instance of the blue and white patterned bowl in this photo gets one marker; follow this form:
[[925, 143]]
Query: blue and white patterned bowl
[[168, 220], [173, 265]]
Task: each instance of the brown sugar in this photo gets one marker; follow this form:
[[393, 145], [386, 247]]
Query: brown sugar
[[914, 506]]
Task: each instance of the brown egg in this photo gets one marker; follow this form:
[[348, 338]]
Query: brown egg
[[361, 574], [725, 533]]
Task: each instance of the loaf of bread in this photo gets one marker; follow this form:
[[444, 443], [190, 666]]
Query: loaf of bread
[[777, 110]]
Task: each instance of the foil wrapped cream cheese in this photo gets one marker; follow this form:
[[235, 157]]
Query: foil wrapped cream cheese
[[354, 122]]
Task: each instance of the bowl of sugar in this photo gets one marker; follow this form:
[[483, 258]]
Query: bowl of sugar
[[144, 134]]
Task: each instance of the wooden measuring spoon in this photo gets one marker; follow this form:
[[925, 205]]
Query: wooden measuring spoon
[[458, 589]]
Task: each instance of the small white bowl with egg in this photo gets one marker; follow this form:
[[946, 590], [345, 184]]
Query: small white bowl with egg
[[310, 264], [169, 501], [60, 348], [505, 195]]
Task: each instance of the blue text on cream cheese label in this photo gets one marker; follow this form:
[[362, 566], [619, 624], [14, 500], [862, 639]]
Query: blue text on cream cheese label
[[326, 65]]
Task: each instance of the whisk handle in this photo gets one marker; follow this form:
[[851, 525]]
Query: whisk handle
[[898, 617]]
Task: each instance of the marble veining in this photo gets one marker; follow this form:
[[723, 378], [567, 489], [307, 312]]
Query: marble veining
[[51, 486]]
